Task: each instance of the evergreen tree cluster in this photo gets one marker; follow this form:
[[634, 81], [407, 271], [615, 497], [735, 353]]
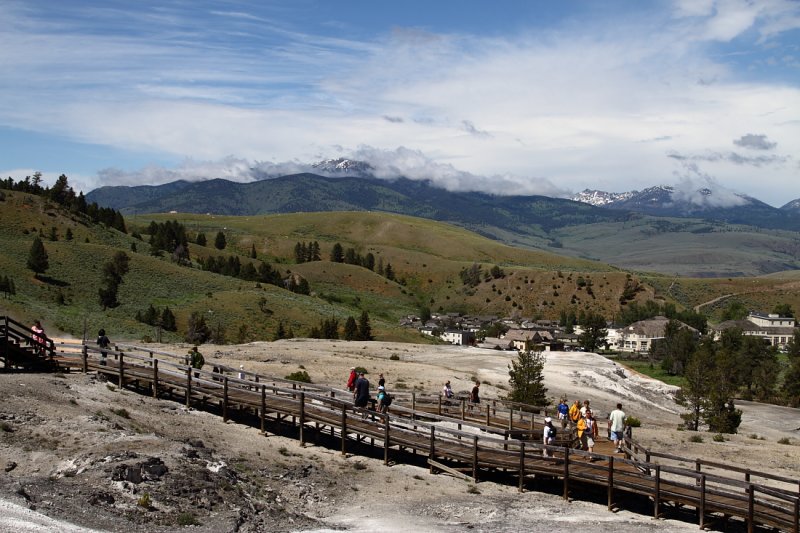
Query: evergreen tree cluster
[[350, 256], [717, 371], [353, 331], [306, 252], [169, 237], [7, 286], [63, 194], [232, 266], [155, 317]]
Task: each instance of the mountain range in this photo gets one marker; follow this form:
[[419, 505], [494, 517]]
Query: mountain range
[[662, 229]]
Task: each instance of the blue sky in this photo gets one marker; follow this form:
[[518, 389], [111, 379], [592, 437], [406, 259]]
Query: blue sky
[[522, 97]]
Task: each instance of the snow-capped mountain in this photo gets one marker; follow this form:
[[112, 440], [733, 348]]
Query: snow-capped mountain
[[794, 205], [600, 198], [343, 167]]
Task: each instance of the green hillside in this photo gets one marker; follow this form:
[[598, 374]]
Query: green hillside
[[427, 258]]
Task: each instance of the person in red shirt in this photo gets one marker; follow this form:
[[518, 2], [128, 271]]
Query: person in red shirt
[[351, 381]]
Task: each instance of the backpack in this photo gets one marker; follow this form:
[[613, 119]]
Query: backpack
[[553, 432], [387, 399]]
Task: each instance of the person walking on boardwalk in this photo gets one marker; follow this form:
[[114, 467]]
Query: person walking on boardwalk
[[474, 395], [548, 435], [563, 412], [590, 434], [575, 413], [196, 360], [38, 336], [381, 380], [351, 381], [103, 343], [384, 399], [361, 391], [616, 427], [580, 426]]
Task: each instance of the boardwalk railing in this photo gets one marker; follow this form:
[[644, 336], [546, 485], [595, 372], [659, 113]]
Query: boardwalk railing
[[498, 439]]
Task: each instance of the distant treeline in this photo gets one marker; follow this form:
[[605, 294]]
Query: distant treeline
[[63, 194]]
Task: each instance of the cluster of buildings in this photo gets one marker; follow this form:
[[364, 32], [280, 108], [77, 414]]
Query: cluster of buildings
[[635, 338]]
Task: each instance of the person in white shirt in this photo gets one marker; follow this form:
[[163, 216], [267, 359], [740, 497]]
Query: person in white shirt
[[616, 427]]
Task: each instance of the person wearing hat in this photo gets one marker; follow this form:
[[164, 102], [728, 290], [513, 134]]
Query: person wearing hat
[[380, 398], [548, 435], [351, 381]]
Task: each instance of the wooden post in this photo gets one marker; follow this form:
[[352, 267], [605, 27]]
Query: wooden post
[[747, 476], [697, 466], [487, 416], [263, 409], [463, 406], [494, 407], [386, 440], [797, 515], [750, 507], [294, 387], [521, 466], [85, 358], [413, 405], [439, 408], [702, 509], [302, 418], [511, 419], [344, 429], [225, 399], [432, 451], [121, 370], [657, 493], [475, 458], [566, 474], [610, 482], [155, 378], [188, 386]]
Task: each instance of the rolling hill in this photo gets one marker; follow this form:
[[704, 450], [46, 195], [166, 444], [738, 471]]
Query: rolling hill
[[719, 244]]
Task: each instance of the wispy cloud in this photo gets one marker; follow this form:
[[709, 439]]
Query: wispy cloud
[[232, 89]]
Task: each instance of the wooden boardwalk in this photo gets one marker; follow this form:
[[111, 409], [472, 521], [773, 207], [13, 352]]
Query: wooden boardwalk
[[499, 439]]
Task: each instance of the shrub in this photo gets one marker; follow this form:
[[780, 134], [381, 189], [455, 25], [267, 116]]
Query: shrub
[[144, 500], [634, 422], [394, 357], [719, 437], [122, 412], [472, 489], [784, 440], [187, 519], [695, 438], [300, 375]]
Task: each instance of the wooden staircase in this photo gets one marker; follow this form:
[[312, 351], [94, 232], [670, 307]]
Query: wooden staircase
[[20, 353]]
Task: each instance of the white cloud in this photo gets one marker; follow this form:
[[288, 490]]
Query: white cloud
[[547, 111]]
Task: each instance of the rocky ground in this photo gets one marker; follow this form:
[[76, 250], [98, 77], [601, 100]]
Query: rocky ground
[[79, 454]]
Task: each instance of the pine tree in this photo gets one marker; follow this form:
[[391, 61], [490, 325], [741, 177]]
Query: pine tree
[[526, 378], [69, 236], [37, 258], [350, 329], [168, 320], [201, 239], [364, 328], [113, 271], [253, 254], [337, 253], [220, 242], [280, 333]]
